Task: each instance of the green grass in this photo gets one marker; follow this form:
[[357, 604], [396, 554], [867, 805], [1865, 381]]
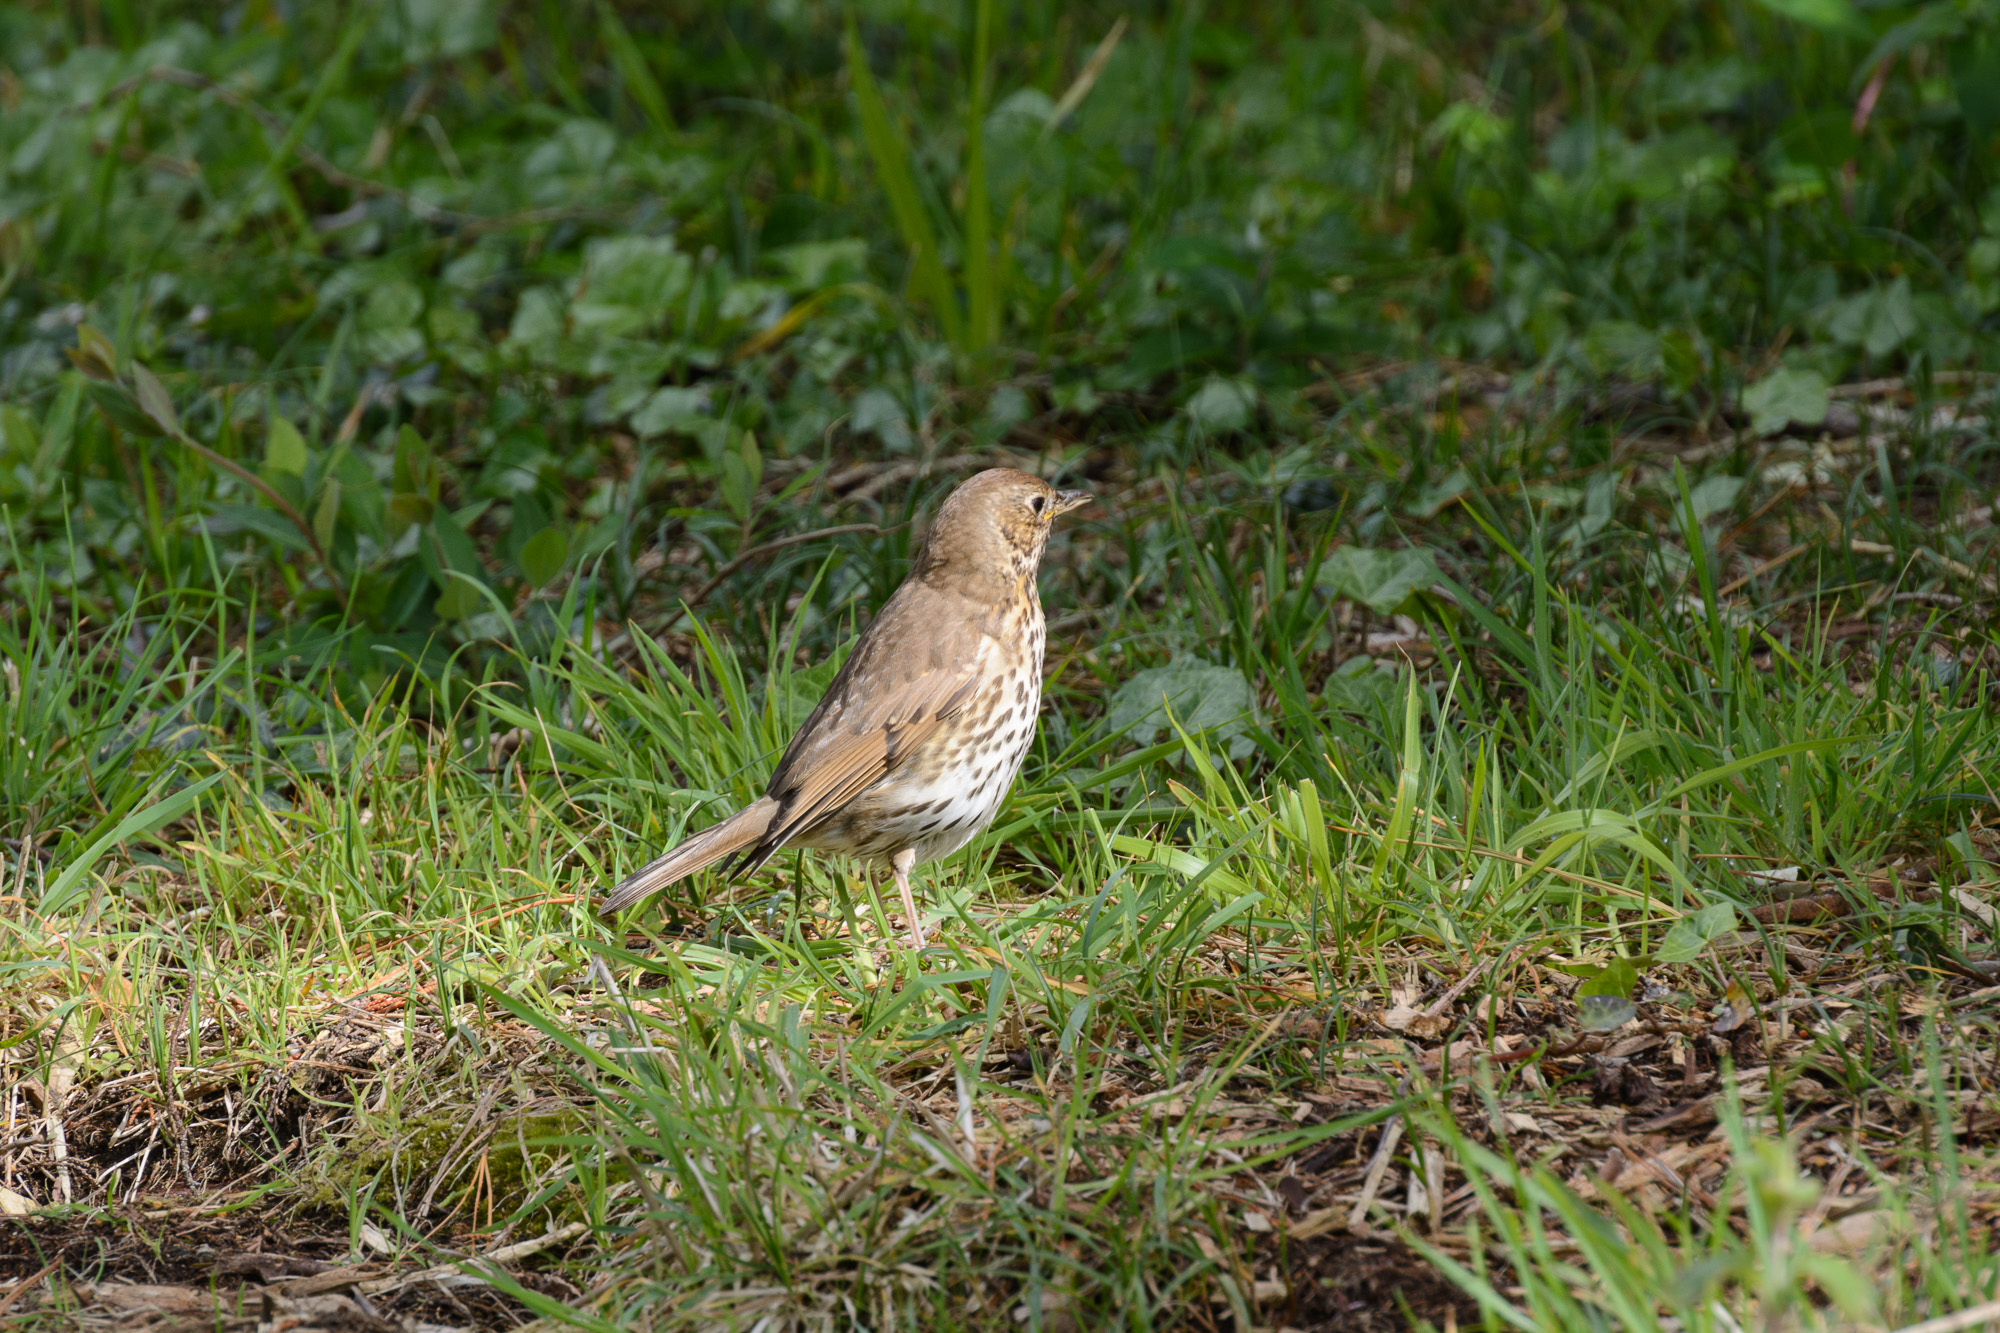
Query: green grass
[[1546, 458]]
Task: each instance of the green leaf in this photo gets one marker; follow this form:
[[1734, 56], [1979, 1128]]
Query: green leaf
[[154, 400], [1605, 998], [455, 546], [19, 436], [1877, 321], [224, 519], [416, 470], [1691, 934], [155, 816], [1379, 580], [462, 597], [630, 284], [1603, 1013], [742, 474], [673, 408], [327, 513], [1786, 397], [1222, 405], [1714, 495], [543, 555], [1200, 697], [1616, 977], [284, 449]]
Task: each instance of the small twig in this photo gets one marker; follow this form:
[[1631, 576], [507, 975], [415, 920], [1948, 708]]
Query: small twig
[[743, 558], [7, 1303], [1085, 80], [1535, 1054], [1887, 388], [468, 1271], [1972, 1316], [1776, 498], [58, 1143], [1378, 1166], [1948, 601], [1764, 568], [1437, 1007], [915, 469]]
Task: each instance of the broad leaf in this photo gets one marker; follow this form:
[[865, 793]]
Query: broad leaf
[[1691, 934], [154, 400], [543, 554], [1380, 580], [1606, 999], [284, 449], [1192, 693], [1786, 397]]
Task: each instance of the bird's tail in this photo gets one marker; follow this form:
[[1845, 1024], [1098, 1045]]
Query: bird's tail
[[742, 829]]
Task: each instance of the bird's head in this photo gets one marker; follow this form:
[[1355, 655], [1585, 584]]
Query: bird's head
[[993, 528]]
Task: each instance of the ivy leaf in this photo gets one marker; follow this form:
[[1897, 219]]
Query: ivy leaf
[[1605, 1013], [1223, 406], [1786, 397], [1691, 934], [1606, 998], [1200, 696], [1379, 580]]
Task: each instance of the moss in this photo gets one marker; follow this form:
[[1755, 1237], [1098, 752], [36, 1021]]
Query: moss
[[415, 1149]]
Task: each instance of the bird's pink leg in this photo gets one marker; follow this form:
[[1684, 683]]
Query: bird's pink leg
[[900, 863]]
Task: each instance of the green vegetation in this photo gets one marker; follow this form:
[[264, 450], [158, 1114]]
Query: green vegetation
[[1513, 835]]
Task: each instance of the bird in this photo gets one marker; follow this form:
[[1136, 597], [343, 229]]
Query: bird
[[916, 742]]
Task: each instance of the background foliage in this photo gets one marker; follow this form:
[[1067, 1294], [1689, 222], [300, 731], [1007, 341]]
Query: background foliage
[[471, 287]]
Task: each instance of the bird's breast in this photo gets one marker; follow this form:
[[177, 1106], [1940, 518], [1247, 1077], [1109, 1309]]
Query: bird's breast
[[946, 790]]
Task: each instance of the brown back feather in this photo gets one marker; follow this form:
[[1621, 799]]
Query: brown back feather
[[913, 670]]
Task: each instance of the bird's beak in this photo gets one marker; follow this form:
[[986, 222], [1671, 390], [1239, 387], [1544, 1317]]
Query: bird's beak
[[1068, 500]]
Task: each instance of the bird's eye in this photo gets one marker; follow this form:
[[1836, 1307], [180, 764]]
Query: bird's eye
[[1039, 503]]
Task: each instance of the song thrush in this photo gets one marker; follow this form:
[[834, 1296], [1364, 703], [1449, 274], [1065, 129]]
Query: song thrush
[[921, 733]]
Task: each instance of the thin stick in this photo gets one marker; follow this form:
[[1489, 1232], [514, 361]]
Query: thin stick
[[26, 1282], [1986, 1312], [765, 548], [1378, 1166], [1763, 569]]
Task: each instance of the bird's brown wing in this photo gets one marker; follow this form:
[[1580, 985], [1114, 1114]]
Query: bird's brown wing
[[915, 667]]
